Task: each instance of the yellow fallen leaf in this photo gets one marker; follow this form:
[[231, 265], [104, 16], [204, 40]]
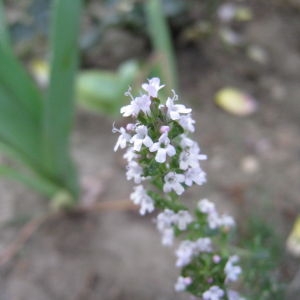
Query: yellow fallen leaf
[[235, 101], [293, 241]]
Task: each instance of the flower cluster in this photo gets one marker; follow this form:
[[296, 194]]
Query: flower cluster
[[163, 161]]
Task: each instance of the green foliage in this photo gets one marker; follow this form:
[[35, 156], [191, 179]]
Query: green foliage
[[35, 131], [59, 104], [161, 41], [261, 267], [103, 91]]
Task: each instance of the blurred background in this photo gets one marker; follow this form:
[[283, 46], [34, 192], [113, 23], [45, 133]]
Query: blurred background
[[237, 65]]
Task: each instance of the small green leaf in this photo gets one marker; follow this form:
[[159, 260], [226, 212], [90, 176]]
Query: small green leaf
[[103, 91], [176, 130]]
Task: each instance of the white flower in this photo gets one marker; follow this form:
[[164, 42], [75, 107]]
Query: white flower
[[140, 197], [214, 293], [152, 87], [194, 175], [187, 159], [203, 245], [164, 222], [182, 219], [143, 103], [206, 206], [182, 283], [163, 148], [141, 138], [136, 105], [190, 155], [173, 182], [213, 220], [187, 123], [167, 236], [134, 171], [123, 138], [232, 271], [130, 154], [174, 110], [165, 219], [186, 142], [226, 221], [185, 253]]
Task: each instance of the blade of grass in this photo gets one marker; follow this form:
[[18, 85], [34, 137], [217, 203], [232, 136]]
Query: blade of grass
[[18, 129], [22, 87], [161, 40], [14, 79], [37, 183], [4, 38], [59, 104]]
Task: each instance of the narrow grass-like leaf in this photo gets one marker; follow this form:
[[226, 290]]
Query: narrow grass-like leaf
[[37, 183], [18, 129], [59, 104], [4, 38], [161, 40], [14, 79]]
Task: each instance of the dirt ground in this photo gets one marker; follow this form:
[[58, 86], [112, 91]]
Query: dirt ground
[[253, 168]]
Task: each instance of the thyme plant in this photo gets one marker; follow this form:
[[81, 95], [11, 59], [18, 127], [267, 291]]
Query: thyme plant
[[164, 161]]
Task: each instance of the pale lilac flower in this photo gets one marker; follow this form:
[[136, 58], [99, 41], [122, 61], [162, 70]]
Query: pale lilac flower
[[185, 253], [173, 182], [130, 154], [190, 155], [167, 236], [123, 138], [141, 138], [163, 148], [165, 219], [226, 221], [187, 159], [232, 271], [206, 206], [140, 197], [136, 105], [187, 123], [182, 219], [213, 220], [134, 172], [152, 87], [164, 222], [186, 142], [203, 245], [175, 110], [214, 293], [182, 283], [194, 175]]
